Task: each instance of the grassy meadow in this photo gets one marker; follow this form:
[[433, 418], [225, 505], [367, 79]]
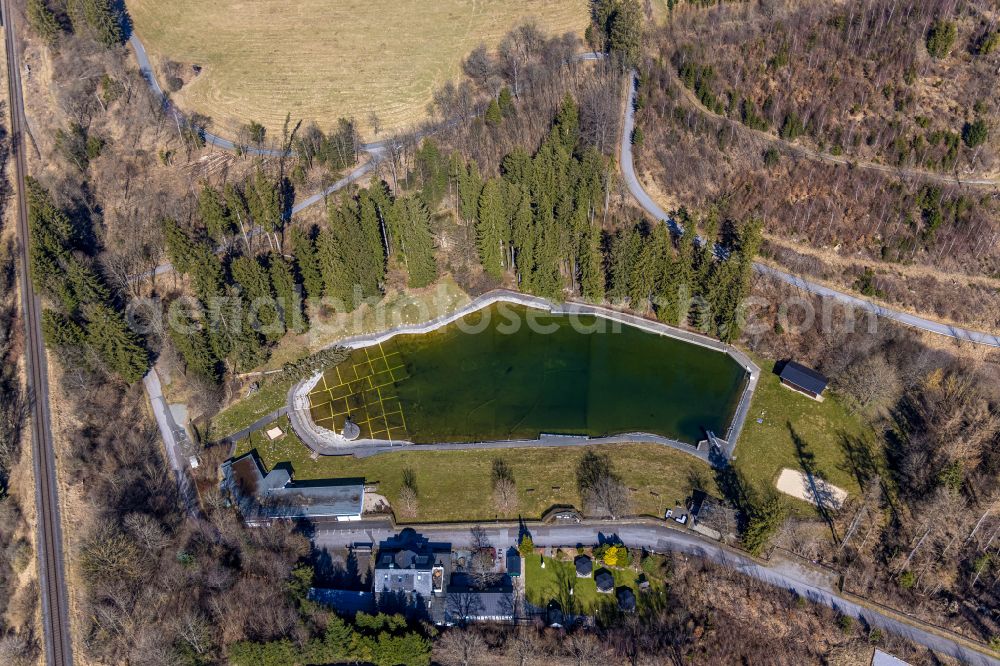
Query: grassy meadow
[[456, 485], [323, 59], [798, 432]]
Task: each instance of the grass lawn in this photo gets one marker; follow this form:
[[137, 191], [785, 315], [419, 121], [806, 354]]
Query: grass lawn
[[323, 59], [798, 432], [555, 581], [456, 485], [270, 396]]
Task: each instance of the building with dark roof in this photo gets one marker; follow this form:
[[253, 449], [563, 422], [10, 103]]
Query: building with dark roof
[[584, 566], [802, 379], [626, 599], [467, 603], [262, 497], [605, 581], [410, 572]]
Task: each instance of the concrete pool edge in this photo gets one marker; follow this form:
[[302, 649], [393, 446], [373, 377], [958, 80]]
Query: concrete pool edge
[[325, 442]]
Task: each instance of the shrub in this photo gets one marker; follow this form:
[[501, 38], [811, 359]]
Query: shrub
[[975, 133], [988, 43], [940, 38], [771, 157], [793, 127], [846, 623], [907, 580]]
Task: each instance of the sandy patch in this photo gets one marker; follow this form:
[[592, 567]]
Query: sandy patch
[[811, 489]]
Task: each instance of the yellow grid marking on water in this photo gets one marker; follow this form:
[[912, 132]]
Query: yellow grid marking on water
[[371, 417]]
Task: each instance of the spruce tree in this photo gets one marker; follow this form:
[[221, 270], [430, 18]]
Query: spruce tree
[[263, 199], [591, 268], [213, 213], [568, 123], [371, 228], [546, 281], [193, 345], [61, 331], [522, 240], [285, 290], [307, 261], [418, 244], [494, 116], [642, 280], [43, 21], [260, 302], [470, 187], [624, 253], [490, 231], [117, 346]]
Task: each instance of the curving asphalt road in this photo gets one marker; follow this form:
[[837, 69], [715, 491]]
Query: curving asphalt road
[[657, 536], [651, 207]]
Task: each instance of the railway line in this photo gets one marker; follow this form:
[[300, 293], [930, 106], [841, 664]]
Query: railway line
[[51, 570]]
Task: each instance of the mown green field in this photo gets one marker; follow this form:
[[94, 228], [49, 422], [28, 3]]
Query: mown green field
[[456, 485], [798, 432]]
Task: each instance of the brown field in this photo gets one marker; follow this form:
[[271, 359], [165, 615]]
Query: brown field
[[323, 59]]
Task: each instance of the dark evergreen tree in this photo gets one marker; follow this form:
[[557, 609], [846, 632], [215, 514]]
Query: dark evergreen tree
[[287, 292], [417, 242], [192, 343], [491, 230], [260, 307], [118, 347], [307, 262], [214, 214]]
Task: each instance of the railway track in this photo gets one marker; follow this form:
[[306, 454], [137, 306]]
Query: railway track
[[52, 579]]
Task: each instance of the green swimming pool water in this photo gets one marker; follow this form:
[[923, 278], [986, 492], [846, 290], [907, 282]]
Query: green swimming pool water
[[485, 378]]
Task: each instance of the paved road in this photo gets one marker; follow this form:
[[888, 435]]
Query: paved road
[[657, 537], [175, 439], [651, 207], [49, 546]]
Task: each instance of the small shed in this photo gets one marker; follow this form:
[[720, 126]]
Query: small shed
[[802, 379], [626, 599], [584, 566], [605, 581]]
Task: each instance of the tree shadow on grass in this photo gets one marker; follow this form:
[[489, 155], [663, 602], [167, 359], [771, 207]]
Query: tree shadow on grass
[[565, 580], [860, 460], [818, 488]]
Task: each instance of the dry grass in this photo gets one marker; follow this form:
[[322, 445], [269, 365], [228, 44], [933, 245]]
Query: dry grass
[[322, 59]]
